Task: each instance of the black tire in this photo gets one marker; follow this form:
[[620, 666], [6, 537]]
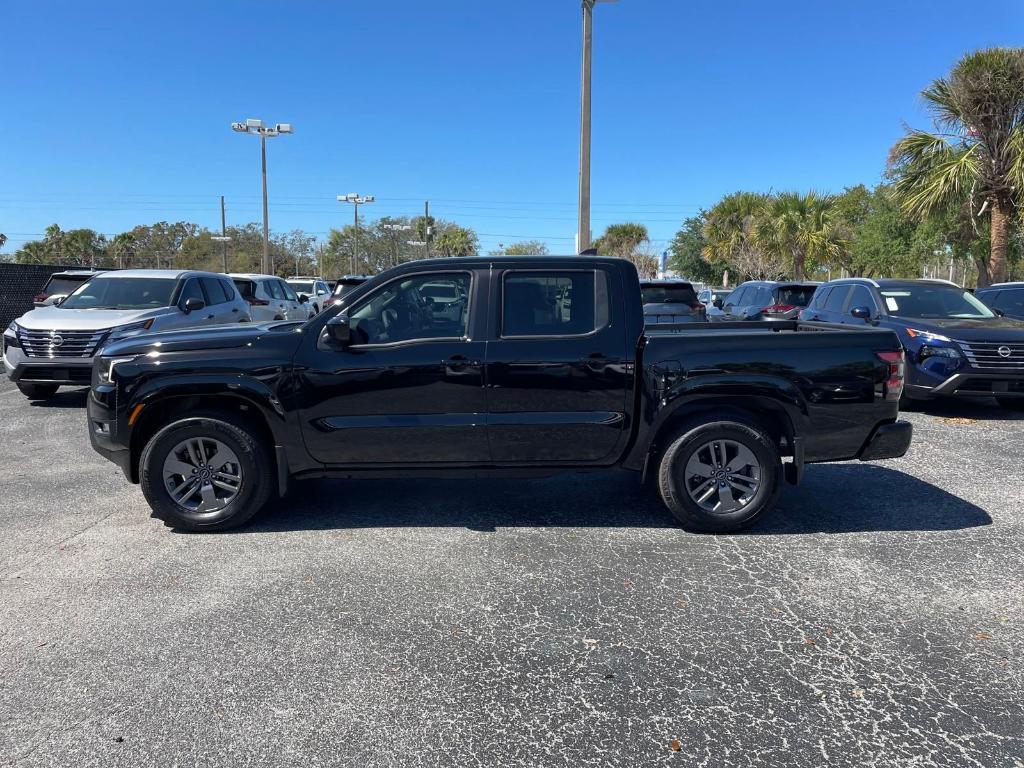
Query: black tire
[[1011, 403], [257, 472], [38, 391], [672, 482]]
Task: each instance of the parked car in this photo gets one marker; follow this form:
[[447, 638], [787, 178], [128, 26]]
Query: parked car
[[270, 298], [955, 344], [671, 301], [766, 300], [55, 345], [343, 286], [316, 291], [60, 284], [446, 300], [1005, 299], [522, 384], [712, 298]]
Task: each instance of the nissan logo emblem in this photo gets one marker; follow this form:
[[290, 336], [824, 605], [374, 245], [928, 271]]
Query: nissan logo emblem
[[56, 341], [1004, 351]]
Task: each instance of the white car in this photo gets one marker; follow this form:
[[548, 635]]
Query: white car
[[54, 346], [315, 289], [445, 300], [270, 298]]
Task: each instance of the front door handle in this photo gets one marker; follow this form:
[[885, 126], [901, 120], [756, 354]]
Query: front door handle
[[209, 317], [457, 364]]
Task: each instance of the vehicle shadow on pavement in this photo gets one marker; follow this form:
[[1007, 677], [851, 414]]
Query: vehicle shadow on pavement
[[65, 398], [972, 408], [850, 498], [837, 498]]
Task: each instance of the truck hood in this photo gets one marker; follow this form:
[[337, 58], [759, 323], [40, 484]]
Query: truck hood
[[214, 337], [984, 329], [54, 318]]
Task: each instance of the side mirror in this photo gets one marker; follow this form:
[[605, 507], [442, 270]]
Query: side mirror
[[339, 331], [999, 312], [717, 303], [193, 305], [862, 313], [303, 298]]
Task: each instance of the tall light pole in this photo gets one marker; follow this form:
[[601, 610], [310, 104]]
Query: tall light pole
[[583, 224], [223, 239], [356, 199], [257, 128]]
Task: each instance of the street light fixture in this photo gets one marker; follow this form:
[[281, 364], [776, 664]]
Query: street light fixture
[[256, 127], [356, 200], [583, 223]]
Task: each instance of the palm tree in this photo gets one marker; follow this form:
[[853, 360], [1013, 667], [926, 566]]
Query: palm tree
[[799, 228], [976, 154], [729, 237]]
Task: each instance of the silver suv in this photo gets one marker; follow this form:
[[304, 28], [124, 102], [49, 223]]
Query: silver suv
[[54, 345]]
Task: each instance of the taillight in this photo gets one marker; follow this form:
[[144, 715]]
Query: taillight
[[897, 371], [779, 308], [41, 297], [254, 302]]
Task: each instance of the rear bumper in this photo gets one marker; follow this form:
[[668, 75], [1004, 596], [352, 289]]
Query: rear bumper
[[888, 441]]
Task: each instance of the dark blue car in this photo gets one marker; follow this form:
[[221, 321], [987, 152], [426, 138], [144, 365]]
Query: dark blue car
[[955, 345]]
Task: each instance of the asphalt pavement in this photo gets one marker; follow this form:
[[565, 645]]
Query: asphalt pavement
[[875, 618]]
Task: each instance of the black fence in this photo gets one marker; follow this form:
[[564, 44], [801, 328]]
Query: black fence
[[18, 284]]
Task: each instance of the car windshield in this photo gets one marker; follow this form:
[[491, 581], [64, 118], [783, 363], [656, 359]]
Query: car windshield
[[61, 286], [301, 287], [122, 293], [796, 295], [668, 294], [933, 301]]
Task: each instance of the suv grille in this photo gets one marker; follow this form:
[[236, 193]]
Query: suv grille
[[61, 343], [994, 356]]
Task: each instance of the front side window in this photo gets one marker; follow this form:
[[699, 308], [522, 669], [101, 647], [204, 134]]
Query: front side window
[[933, 301], [214, 293], [191, 290], [434, 306], [861, 297], [1011, 301], [737, 297], [554, 303], [273, 287], [122, 293], [288, 291]]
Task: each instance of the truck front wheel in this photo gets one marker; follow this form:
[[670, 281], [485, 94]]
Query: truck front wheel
[[720, 476], [205, 473]]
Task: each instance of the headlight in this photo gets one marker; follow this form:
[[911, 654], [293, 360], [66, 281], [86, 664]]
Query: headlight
[[932, 351], [926, 335], [11, 336], [105, 367], [128, 330]]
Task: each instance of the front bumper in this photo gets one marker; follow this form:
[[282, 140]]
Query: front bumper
[[888, 441], [48, 370], [106, 429]]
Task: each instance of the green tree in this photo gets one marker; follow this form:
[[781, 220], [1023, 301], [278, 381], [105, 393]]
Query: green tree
[[629, 241], [729, 241], [798, 229], [687, 249], [453, 240], [976, 152], [877, 239], [527, 248]]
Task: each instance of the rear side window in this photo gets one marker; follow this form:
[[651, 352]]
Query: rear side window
[[836, 299], [796, 295], [214, 293], [554, 303], [273, 287]]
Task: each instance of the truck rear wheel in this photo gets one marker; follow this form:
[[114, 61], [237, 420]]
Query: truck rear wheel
[[720, 476], [205, 473], [38, 391]]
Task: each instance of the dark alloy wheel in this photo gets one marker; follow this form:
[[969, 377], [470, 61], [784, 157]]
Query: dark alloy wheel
[[206, 473], [38, 391], [720, 475]]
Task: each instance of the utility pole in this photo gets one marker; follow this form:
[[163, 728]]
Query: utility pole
[[223, 239], [263, 131], [427, 226], [583, 222]]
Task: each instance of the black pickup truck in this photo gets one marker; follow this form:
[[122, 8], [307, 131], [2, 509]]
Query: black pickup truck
[[505, 366]]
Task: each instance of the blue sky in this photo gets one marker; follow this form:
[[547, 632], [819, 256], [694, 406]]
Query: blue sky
[[118, 113]]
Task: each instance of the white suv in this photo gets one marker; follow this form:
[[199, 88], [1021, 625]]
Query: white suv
[[315, 290], [271, 298]]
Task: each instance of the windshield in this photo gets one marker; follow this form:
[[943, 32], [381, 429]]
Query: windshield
[[301, 287], [61, 286], [796, 295], [122, 293], [668, 294], [344, 287], [933, 301]]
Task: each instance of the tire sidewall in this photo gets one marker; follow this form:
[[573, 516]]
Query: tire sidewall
[[672, 476], [251, 456], [38, 391]]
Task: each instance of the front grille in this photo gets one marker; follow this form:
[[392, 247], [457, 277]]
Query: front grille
[[61, 343], [994, 357]]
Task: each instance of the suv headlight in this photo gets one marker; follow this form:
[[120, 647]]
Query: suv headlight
[[129, 330], [11, 336], [929, 350], [105, 367]]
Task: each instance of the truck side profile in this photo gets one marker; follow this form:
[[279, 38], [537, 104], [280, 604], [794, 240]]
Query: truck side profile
[[531, 366]]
